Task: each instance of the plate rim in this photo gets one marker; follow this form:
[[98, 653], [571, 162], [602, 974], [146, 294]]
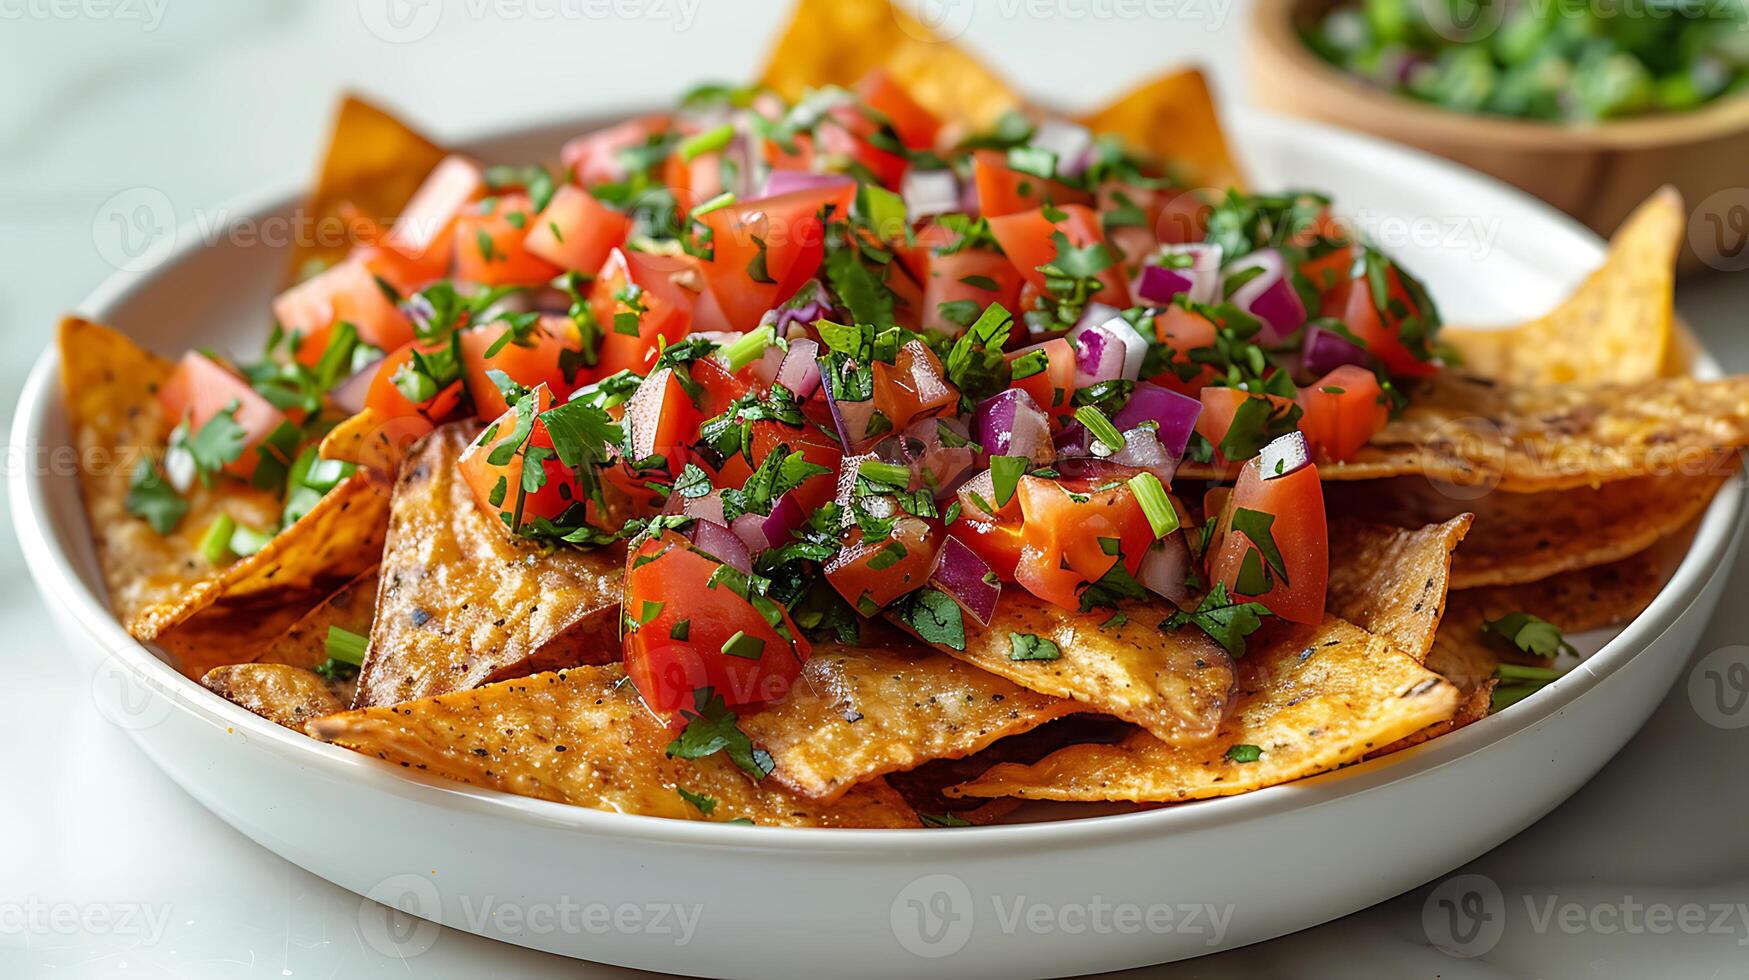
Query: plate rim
[[57, 580]]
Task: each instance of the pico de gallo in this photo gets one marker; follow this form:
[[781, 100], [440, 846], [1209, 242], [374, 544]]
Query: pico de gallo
[[822, 364]]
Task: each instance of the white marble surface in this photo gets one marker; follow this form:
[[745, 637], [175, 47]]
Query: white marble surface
[[107, 869]]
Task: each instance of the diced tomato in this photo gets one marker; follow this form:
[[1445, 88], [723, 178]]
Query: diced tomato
[[694, 181], [815, 446], [915, 255], [396, 269], [871, 574], [1183, 218], [483, 477], [594, 157], [1074, 533], [1295, 503], [492, 247], [969, 275], [848, 140], [999, 544], [638, 298], [576, 232], [1025, 238], [1184, 331], [662, 420], [718, 386], [387, 400], [1053, 389], [784, 233], [200, 388], [915, 125], [1351, 302], [913, 386], [1343, 410], [1329, 269], [779, 158], [1220, 405], [1002, 190], [347, 292], [425, 230], [533, 363], [669, 583]]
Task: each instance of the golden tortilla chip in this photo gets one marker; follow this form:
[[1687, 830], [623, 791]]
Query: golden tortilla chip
[[1175, 684], [462, 603], [837, 42], [157, 581], [925, 787], [583, 737], [1392, 582], [1615, 327], [352, 607], [1469, 432], [1310, 699], [1524, 537], [1474, 706], [1586, 599], [285, 695], [373, 164], [1174, 118], [228, 633], [859, 713], [373, 441]]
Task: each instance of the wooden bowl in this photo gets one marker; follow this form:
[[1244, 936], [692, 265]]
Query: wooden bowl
[[1596, 173]]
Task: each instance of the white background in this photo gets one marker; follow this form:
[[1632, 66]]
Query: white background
[[207, 100]]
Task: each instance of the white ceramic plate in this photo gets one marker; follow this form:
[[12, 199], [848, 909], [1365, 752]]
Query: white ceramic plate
[[1041, 899]]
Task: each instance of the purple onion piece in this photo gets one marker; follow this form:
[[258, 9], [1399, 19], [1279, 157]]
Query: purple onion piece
[[350, 394], [1199, 281], [786, 515], [929, 192], [722, 544], [1326, 350], [800, 368], [1143, 451], [850, 418], [1175, 414], [1165, 569], [750, 528], [1269, 295], [1158, 285], [967, 579], [1072, 441], [788, 181]]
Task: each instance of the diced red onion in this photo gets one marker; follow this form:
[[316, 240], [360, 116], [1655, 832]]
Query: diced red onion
[[1142, 449], [786, 515], [765, 369], [1010, 423], [969, 198], [1200, 281], [1165, 568], [788, 181], [850, 418], [929, 192], [1073, 441], [1175, 414], [1283, 455], [1070, 143], [350, 394], [1094, 469], [1327, 350], [967, 580], [981, 485], [707, 507], [800, 370], [934, 463], [1270, 295], [781, 318], [722, 544], [750, 528], [1106, 349]]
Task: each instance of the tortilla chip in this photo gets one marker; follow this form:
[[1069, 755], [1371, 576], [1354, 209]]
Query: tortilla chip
[[228, 633], [1311, 698], [462, 603], [157, 581], [837, 42], [1174, 118], [372, 165], [1524, 537], [284, 695], [371, 440], [1615, 327], [1474, 706], [1392, 582], [860, 713], [304, 644], [583, 737], [925, 787], [1468, 432], [1175, 684], [1576, 601]]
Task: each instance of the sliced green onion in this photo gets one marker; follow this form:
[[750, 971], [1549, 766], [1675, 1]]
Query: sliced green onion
[[246, 541], [1005, 474], [717, 203], [744, 646], [1516, 672], [1100, 426], [215, 544], [1151, 494], [346, 646], [749, 348], [1507, 695], [887, 474], [708, 141], [323, 474], [887, 213]]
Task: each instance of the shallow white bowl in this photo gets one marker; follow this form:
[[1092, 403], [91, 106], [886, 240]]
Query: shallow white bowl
[[1041, 899]]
